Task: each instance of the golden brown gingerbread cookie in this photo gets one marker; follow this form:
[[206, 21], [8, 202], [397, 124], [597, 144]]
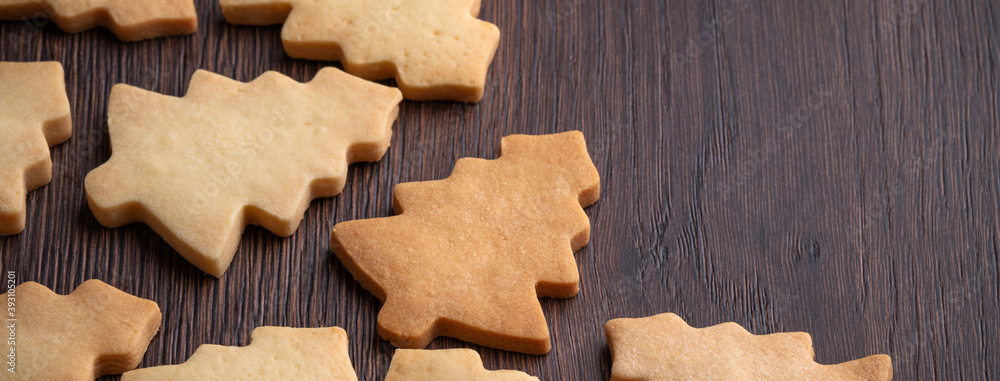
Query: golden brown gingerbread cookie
[[468, 256], [34, 115], [199, 169], [664, 347], [94, 331], [436, 50]]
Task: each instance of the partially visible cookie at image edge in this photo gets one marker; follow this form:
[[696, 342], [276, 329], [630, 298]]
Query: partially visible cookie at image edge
[[446, 364], [436, 50], [130, 20], [274, 353], [664, 347], [34, 115], [96, 330]]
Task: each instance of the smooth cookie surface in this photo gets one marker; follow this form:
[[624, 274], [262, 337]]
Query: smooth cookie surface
[[130, 20], [34, 115], [94, 331], [199, 169], [468, 256], [664, 347], [436, 49], [447, 364], [274, 353]]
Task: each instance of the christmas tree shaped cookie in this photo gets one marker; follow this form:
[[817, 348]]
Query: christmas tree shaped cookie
[[664, 347], [448, 364], [94, 331], [198, 169], [274, 353], [468, 256], [436, 50], [34, 115], [130, 20]]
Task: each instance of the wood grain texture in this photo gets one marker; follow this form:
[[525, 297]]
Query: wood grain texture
[[822, 166]]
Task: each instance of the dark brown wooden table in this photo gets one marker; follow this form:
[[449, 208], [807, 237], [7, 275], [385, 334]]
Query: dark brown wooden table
[[821, 166]]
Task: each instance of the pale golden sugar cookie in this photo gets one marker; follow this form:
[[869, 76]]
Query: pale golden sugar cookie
[[199, 169], [130, 20], [468, 256], [664, 347], [34, 115], [94, 331], [274, 353], [435, 49], [447, 364]]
